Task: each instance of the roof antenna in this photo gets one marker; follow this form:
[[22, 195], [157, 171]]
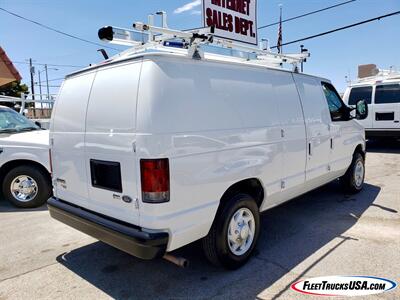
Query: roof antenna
[[105, 55]]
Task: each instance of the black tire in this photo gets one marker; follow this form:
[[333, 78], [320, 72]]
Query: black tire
[[42, 180], [215, 244], [348, 180]]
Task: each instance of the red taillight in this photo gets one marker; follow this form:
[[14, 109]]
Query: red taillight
[[155, 180]]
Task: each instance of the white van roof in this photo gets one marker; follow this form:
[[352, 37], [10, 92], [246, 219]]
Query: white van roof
[[383, 77], [170, 52]]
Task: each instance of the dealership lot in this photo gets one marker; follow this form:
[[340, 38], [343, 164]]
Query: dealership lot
[[321, 233]]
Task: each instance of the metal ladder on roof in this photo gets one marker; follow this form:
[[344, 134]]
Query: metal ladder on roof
[[149, 37]]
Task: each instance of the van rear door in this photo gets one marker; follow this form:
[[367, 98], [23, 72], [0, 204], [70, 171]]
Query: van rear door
[[386, 113], [110, 142], [67, 139]]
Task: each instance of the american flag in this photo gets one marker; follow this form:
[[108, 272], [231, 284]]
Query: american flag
[[279, 44]]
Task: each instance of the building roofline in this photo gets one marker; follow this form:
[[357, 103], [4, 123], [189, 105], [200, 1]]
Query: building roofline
[[9, 65]]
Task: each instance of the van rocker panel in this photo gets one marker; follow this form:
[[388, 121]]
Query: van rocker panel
[[130, 239]]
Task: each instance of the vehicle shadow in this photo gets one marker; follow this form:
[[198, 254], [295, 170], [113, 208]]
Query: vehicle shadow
[[290, 234], [6, 206], [384, 146]]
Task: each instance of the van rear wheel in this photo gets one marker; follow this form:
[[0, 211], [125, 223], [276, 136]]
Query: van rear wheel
[[353, 180], [234, 233], [26, 187]]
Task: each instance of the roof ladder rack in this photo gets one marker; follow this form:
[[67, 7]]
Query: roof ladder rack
[[147, 36]]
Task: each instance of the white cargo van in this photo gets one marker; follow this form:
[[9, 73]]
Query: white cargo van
[[155, 150], [382, 93]]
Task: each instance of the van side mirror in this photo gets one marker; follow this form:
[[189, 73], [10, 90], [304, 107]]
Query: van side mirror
[[38, 124], [361, 110]]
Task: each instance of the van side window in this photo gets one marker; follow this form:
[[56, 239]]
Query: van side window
[[360, 93], [388, 93], [335, 103]]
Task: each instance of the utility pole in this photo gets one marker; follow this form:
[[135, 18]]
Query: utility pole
[[40, 90], [32, 72], [40, 86], [47, 83]]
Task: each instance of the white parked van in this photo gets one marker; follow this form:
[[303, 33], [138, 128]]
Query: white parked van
[[382, 93], [24, 160], [155, 150]]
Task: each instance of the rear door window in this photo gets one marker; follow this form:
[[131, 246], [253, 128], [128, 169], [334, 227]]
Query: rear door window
[[388, 93], [360, 93]]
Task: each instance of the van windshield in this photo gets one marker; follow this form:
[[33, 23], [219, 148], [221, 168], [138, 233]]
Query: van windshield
[[11, 121]]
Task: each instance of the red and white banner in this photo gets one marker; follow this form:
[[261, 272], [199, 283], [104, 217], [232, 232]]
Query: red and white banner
[[233, 19]]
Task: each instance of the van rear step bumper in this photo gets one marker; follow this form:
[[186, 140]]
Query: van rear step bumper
[[130, 239]]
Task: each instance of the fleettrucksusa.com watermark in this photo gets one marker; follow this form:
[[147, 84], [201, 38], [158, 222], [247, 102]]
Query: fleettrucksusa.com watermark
[[343, 285]]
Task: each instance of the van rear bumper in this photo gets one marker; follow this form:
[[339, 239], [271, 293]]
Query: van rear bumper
[[128, 238]]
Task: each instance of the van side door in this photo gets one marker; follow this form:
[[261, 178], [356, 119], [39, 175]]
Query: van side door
[[386, 113], [293, 135], [317, 119], [342, 130]]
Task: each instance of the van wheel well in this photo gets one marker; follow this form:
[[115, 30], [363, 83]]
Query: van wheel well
[[251, 186], [360, 150], [22, 162]]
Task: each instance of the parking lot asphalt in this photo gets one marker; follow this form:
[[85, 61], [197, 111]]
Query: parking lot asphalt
[[324, 232]]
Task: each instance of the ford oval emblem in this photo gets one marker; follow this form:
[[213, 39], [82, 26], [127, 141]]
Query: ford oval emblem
[[127, 199]]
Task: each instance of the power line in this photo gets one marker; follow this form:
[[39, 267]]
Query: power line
[[53, 79], [307, 14], [53, 86], [339, 29], [56, 30], [42, 64]]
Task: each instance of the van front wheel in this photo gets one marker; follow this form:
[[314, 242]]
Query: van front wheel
[[353, 180], [234, 232], [26, 186]]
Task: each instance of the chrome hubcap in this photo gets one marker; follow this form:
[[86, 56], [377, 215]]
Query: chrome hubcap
[[24, 188], [241, 231], [359, 174]]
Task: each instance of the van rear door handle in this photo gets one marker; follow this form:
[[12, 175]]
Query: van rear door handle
[[309, 149]]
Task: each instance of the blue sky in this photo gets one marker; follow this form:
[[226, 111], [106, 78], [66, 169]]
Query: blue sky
[[333, 56]]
